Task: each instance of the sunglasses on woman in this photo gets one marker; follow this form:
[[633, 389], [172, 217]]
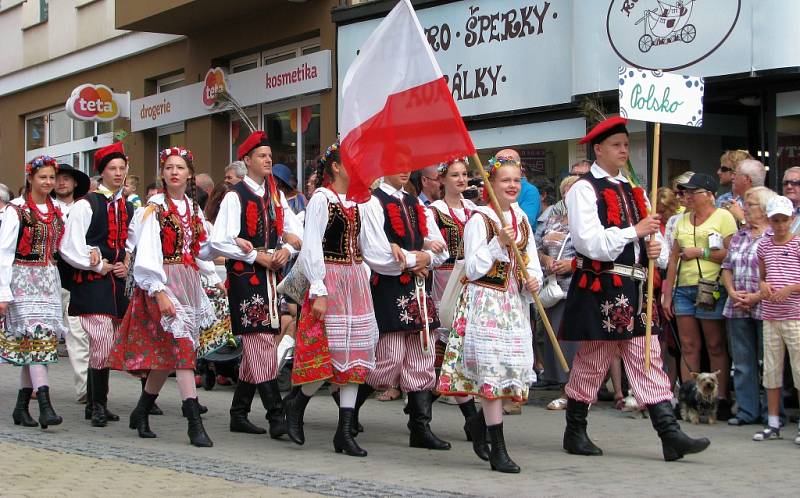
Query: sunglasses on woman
[[793, 183]]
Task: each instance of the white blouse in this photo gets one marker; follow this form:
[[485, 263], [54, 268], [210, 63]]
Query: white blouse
[[467, 205], [228, 224], [375, 246], [480, 256], [9, 232]]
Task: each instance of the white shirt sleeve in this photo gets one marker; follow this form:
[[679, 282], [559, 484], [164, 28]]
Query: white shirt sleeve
[[226, 228], [479, 256], [434, 235], [311, 261], [375, 245], [291, 224], [74, 249], [588, 234], [148, 267], [9, 231]]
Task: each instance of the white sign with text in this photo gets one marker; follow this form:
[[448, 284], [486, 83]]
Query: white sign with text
[[661, 97]]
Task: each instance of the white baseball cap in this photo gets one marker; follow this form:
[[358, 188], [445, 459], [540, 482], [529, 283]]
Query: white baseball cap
[[779, 205]]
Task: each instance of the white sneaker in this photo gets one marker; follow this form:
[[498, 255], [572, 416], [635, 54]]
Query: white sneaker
[[285, 350]]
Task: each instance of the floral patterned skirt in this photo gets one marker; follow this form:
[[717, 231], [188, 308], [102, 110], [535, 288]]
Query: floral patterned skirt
[[489, 352], [219, 334]]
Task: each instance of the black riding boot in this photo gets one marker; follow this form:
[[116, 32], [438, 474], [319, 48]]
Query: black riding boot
[[468, 410], [47, 416], [674, 441], [154, 410], [197, 433], [140, 415], [21, 415], [576, 441], [295, 409], [104, 374], [498, 458], [271, 399], [89, 408], [97, 396], [419, 419], [343, 440], [477, 427], [240, 407]]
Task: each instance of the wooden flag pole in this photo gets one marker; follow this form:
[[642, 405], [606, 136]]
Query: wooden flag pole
[[648, 330], [520, 262]]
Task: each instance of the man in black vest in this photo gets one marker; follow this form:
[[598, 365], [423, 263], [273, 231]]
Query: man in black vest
[[258, 233], [606, 302], [96, 243]]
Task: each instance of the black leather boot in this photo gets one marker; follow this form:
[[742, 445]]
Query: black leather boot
[[240, 407], [295, 409], [98, 393], [356, 426], [21, 415], [674, 441], [197, 433], [468, 409], [154, 410], [140, 415], [271, 399], [576, 441], [498, 458], [111, 417], [343, 440], [89, 408], [47, 416], [419, 419], [477, 427]]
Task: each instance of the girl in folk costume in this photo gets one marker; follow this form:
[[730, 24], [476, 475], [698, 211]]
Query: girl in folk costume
[[169, 307], [337, 333], [30, 289], [489, 353], [451, 214]]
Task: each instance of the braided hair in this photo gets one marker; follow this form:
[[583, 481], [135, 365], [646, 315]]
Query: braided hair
[[325, 162]]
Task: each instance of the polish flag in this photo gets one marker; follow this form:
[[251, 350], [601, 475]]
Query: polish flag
[[398, 114]]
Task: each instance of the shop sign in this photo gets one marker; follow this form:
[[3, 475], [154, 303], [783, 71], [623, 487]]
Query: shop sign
[[660, 97], [90, 102], [302, 75]]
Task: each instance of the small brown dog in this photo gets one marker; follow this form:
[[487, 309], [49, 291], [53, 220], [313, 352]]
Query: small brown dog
[[698, 398]]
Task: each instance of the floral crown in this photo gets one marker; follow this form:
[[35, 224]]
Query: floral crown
[[328, 153], [442, 167], [496, 161], [176, 151], [40, 162]]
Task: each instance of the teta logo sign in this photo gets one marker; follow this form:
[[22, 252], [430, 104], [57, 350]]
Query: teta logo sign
[[92, 103], [669, 34], [214, 83]]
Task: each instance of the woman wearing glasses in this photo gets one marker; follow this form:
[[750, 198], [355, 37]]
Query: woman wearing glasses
[[726, 171], [701, 239]]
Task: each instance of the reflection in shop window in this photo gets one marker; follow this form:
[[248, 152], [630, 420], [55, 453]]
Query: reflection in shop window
[[282, 132], [309, 125], [788, 143], [82, 129], [34, 131], [59, 128]]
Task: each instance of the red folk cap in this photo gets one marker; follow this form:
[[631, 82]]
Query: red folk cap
[[256, 139], [605, 129], [103, 156]]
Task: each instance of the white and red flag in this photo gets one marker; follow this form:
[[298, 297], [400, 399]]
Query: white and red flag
[[397, 113]]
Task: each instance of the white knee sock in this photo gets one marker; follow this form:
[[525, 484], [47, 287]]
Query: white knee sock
[[347, 395], [38, 376], [312, 387]]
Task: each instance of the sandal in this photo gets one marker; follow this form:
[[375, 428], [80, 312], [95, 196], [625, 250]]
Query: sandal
[[557, 404], [389, 395], [767, 434]]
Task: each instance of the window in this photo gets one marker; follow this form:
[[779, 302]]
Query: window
[[70, 141], [170, 83], [34, 12]]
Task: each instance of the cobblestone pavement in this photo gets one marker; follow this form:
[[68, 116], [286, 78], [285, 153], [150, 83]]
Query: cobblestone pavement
[[78, 458]]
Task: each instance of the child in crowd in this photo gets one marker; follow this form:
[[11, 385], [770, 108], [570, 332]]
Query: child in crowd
[[131, 187]]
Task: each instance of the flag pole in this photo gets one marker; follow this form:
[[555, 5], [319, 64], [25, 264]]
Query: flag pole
[[520, 262], [648, 330]]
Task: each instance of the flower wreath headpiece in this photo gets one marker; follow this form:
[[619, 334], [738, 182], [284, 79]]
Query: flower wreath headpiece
[[442, 167], [40, 162], [176, 151], [496, 161]]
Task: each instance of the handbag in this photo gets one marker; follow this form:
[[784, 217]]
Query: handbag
[[707, 289], [551, 292], [452, 292], [294, 284]]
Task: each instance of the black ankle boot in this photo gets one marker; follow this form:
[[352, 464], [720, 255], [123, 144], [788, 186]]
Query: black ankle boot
[[477, 427], [197, 433], [356, 426], [576, 441], [419, 419], [343, 440], [21, 415], [295, 409], [139, 416], [154, 410], [47, 416], [240, 407], [468, 410], [498, 458], [271, 399], [674, 441]]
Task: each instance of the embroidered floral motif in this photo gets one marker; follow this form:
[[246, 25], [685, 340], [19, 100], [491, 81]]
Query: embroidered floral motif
[[410, 311], [254, 312], [617, 316]]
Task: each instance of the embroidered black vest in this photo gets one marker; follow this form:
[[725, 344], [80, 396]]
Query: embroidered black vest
[[453, 235], [404, 212], [256, 226], [497, 277], [43, 242], [340, 241], [173, 238]]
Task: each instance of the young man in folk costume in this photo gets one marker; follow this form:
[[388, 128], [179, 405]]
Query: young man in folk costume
[[404, 244], [97, 233], [258, 233], [606, 302]]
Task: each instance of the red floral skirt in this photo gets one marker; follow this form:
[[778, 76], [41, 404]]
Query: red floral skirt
[[142, 344]]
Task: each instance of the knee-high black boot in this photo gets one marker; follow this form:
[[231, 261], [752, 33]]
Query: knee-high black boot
[[21, 415], [343, 440], [498, 458], [674, 441], [89, 408], [419, 419], [104, 374], [97, 396], [47, 415], [468, 409], [154, 410], [295, 409], [240, 407], [576, 441], [140, 415], [197, 433], [271, 399]]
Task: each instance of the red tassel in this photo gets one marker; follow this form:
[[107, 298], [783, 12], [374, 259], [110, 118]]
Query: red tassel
[[596, 285], [583, 282], [617, 280], [238, 267], [374, 279], [574, 264], [227, 283], [396, 219], [597, 266], [254, 280], [405, 278], [422, 220], [251, 218]]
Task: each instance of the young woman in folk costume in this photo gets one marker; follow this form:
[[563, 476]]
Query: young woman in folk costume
[[30, 289], [169, 307], [451, 214], [489, 353], [337, 333]]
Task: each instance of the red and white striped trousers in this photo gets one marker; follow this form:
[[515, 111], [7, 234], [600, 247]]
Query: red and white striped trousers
[[591, 362], [259, 358], [400, 361], [102, 330]]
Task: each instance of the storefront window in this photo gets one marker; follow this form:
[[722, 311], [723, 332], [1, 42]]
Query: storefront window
[[309, 125], [34, 131], [59, 124], [788, 127], [82, 129], [281, 129]]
